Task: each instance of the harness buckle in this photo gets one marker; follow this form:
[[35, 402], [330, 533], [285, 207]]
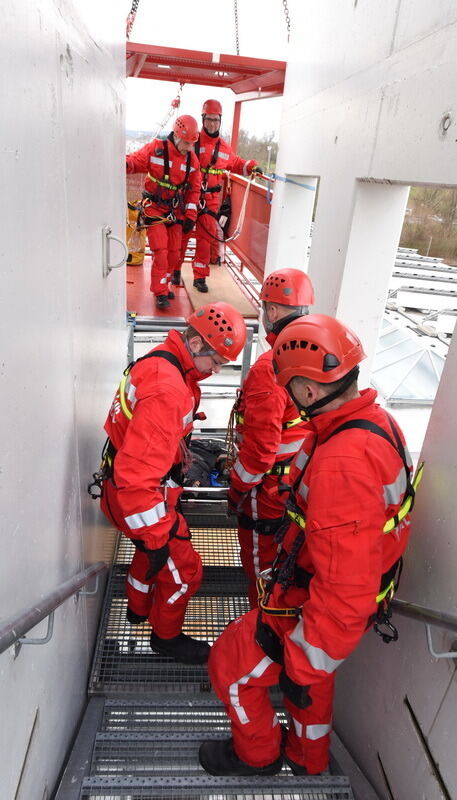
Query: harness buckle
[[383, 626], [95, 488]]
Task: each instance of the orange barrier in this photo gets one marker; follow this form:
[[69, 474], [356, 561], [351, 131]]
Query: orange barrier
[[251, 245]]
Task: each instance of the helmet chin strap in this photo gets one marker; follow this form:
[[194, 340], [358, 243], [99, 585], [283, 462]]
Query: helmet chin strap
[[306, 412]]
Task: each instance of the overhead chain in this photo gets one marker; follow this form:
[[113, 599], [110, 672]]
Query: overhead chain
[[131, 17], [237, 37], [286, 14], [174, 106]]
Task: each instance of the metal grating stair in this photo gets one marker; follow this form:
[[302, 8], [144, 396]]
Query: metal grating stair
[[147, 716]]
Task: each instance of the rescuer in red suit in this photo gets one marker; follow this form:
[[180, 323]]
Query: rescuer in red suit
[[149, 422], [215, 156], [269, 431], [170, 198], [351, 488]]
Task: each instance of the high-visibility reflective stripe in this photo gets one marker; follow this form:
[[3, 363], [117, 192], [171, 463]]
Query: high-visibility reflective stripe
[[140, 587], [314, 732], [225, 156], [148, 517], [156, 160], [303, 491], [245, 170], [255, 552], [258, 670], [290, 447], [188, 418], [317, 657], [191, 205], [131, 392], [183, 168], [301, 460], [298, 727], [203, 149], [254, 506], [244, 475], [393, 492], [177, 579], [164, 280], [122, 398]]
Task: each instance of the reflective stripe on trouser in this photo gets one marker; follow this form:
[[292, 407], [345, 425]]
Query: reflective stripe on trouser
[[165, 596], [241, 673], [257, 552], [165, 243], [205, 230]]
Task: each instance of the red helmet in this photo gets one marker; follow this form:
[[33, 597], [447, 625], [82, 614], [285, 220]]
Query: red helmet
[[186, 128], [212, 107], [222, 327], [289, 287], [317, 347]]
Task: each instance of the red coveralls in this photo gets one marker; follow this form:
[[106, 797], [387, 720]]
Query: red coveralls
[[352, 485], [207, 230], [141, 498], [164, 237], [269, 434]]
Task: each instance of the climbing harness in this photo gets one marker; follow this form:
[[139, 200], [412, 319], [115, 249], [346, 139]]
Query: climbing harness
[[165, 183], [285, 570]]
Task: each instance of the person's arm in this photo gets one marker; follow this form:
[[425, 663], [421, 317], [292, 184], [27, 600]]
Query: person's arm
[[242, 166], [264, 402], [144, 458], [192, 195], [138, 161]]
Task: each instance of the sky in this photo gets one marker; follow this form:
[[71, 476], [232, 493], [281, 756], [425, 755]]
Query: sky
[[209, 26]]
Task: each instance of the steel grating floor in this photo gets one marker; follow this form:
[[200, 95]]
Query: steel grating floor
[[150, 749], [124, 664], [156, 713]]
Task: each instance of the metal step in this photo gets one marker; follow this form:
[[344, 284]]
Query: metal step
[[124, 663], [148, 750]]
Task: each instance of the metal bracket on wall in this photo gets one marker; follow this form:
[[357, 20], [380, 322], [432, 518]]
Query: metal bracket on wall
[[44, 640], [107, 235], [450, 654]]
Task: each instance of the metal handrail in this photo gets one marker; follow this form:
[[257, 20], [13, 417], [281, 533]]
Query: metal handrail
[[14, 628], [440, 619]]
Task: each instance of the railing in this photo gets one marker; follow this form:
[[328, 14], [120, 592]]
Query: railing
[[430, 617], [13, 630]]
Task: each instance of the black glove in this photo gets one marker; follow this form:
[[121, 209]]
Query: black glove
[[297, 694], [256, 170], [157, 558], [187, 225]]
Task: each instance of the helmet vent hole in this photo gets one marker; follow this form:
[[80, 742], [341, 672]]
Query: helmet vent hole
[[304, 345], [314, 347]]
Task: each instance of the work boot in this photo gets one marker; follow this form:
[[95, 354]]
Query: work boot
[[298, 769], [219, 758], [181, 648], [171, 295], [176, 279], [200, 285], [162, 301], [135, 619]]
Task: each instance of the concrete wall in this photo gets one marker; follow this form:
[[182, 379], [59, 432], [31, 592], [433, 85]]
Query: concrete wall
[[62, 329], [368, 88]]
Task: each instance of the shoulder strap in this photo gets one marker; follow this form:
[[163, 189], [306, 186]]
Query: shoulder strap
[[172, 359], [215, 155], [366, 425], [186, 177], [166, 161]]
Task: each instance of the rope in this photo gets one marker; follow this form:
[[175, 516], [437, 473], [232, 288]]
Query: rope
[[240, 223]]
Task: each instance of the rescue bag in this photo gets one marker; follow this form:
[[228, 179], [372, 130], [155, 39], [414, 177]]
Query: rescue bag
[[208, 467]]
